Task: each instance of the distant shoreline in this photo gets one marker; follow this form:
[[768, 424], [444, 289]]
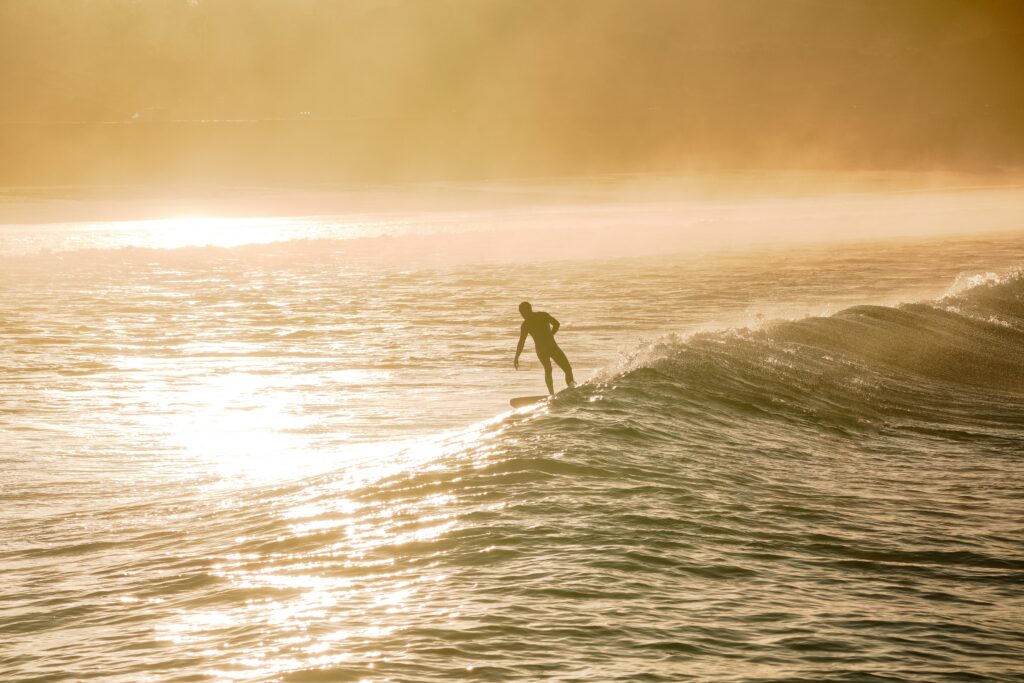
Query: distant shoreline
[[29, 204]]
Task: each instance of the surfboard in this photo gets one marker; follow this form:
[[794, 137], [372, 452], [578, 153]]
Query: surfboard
[[523, 401]]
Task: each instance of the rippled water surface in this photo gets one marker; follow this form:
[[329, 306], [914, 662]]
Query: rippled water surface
[[281, 462]]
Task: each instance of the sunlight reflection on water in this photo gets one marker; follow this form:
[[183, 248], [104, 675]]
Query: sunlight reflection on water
[[328, 584]]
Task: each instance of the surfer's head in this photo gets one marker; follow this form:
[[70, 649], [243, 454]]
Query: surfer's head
[[525, 308]]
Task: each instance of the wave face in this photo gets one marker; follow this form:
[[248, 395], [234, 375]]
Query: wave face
[[865, 367], [832, 497]]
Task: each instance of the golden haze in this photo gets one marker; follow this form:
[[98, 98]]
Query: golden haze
[[260, 91]]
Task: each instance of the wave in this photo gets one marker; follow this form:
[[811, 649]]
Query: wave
[[958, 361]]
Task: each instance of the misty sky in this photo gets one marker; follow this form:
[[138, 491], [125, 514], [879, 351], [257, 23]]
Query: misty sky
[[323, 90]]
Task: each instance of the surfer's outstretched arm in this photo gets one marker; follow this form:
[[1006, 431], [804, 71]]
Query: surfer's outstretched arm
[[554, 324], [519, 349]]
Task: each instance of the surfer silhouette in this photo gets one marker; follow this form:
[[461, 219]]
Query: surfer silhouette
[[542, 327]]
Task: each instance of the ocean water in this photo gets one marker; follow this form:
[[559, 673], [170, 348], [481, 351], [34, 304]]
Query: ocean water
[[294, 461]]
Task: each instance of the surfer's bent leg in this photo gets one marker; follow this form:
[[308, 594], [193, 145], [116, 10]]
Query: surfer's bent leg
[[548, 379], [559, 357]]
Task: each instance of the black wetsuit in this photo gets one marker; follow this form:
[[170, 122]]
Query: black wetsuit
[[538, 325]]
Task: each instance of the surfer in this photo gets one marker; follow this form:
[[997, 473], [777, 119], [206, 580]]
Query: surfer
[[542, 327]]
